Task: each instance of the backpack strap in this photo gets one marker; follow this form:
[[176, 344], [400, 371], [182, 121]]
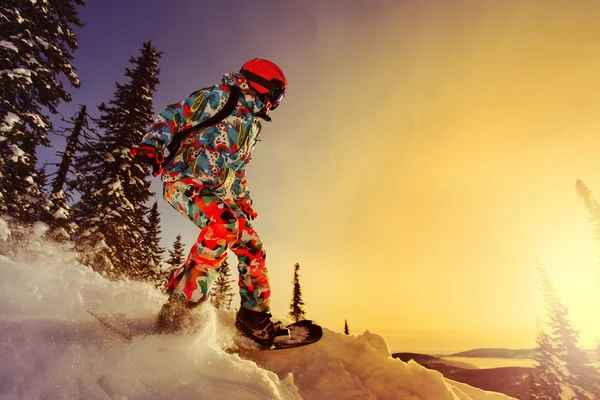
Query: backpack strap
[[234, 94]]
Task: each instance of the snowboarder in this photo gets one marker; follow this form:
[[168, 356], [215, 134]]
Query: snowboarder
[[210, 137]]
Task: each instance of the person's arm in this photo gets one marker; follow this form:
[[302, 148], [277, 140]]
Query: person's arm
[[239, 187], [179, 116], [166, 124]]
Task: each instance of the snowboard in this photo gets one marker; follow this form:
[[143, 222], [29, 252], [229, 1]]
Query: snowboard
[[302, 333]]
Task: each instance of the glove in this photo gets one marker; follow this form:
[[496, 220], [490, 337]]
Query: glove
[[246, 206], [147, 154]]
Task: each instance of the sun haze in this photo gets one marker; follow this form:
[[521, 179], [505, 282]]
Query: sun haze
[[436, 161], [425, 155]]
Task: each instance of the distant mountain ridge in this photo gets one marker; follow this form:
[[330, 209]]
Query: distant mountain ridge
[[496, 353], [512, 381], [432, 362]]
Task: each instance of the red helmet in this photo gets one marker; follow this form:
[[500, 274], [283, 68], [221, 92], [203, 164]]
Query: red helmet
[[267, 79]]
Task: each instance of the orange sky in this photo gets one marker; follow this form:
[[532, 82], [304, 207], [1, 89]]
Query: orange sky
[[426, 154]]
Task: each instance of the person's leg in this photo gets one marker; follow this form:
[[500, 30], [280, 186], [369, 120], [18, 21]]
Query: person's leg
[[254, 319], [255, 290], [219, 230]]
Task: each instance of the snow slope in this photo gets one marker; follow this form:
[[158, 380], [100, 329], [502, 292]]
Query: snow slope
[[53, 349]]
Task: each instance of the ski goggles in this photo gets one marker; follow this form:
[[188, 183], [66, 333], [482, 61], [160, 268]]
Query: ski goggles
[[276, 87], [276, 95]]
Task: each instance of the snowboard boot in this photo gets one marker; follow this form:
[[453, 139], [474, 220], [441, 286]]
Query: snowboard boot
[[259, 327], [176, 316]]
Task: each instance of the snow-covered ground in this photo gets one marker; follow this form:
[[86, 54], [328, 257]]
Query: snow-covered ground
[[52, 348]]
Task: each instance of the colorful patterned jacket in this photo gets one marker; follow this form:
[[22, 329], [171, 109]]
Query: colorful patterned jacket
[[216, 155]]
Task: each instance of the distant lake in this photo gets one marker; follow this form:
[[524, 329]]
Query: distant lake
[[484, 363]]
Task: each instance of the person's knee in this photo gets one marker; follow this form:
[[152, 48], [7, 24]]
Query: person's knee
[[249, 241]]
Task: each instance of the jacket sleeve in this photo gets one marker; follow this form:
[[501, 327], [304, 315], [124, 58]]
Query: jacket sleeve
[[168, 122], [179, 116], [239, 187]]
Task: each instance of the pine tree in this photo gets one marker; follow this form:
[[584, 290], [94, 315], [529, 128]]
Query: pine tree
[[114, 187], [151, 244], [296, 307], [590, 204], [61, 224], [37, 46], [594, 217], [222, 290], [177, 255], [41, 178], [80, 130], [549, 374], [346, 330], [570, 366]]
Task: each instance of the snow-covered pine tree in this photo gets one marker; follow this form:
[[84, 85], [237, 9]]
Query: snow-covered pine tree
[[37, 43], [576, 377], [151, 270], [61, 224], [177, 255], [297, 312], [114, 187], [221, 293], [41, 176], [40, 180], [346, 330]]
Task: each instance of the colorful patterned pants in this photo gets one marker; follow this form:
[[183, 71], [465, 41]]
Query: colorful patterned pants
[[223, 226]]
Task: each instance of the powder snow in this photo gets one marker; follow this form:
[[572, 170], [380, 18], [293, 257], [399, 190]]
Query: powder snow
[[53, 348]]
